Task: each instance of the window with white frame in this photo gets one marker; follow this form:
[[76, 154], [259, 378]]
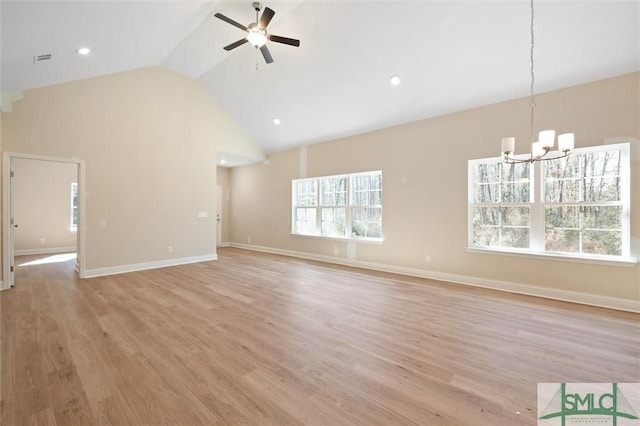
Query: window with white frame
[[501, 206], [578, 205], [74, 206], [333, 205], [366, 205], [305, 206], [342, 206]]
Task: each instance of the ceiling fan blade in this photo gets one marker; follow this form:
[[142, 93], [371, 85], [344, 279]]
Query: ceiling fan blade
[[230, 21], [284, 40], [236, 44], [266, 17], [267, 55]]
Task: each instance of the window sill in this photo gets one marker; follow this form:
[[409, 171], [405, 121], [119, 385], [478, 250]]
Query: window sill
[[356, 240], [594, 260]]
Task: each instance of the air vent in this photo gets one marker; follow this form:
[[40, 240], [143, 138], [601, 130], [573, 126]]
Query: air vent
[[42, 58]]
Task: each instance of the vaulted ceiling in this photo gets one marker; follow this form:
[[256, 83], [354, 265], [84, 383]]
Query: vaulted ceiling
[[450, 56]]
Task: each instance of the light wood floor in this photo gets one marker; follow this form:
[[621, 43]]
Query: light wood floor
[[261, 339]]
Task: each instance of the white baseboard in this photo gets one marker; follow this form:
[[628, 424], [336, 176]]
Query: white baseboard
[[51, 250], [530, 290], [225, 244], [112, 270]]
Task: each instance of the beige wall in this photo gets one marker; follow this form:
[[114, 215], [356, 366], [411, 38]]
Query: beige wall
[[1, 192], [424, 168], [224, 180], [149, 139], [42, 205]]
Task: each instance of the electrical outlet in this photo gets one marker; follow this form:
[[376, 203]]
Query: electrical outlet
[[170, 249], [42, 240], [427, 258]]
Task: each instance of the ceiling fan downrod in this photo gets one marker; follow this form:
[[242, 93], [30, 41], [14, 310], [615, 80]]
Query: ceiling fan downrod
[[258, 7]]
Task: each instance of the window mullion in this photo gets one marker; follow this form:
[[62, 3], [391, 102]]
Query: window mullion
[[625, 175], [319, 208], [580, 230], [537, 229], [294, 205], [347, 213]]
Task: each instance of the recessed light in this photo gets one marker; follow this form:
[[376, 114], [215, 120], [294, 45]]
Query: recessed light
[[84, 51], [223, 161], [395, 80], [276, 121]]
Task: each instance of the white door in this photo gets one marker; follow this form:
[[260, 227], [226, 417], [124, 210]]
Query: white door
[[218, 215]]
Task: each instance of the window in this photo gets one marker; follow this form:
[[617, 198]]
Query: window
[[306, 206], [74, 206], [501, 205], [583, 204], [366, 202], [333, 205], [582, 208], [343, 206]]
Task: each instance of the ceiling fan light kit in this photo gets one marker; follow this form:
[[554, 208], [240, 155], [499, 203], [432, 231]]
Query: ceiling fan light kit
[[257, 34]]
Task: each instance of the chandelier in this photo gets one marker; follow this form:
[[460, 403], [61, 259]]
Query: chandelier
[[540, 149]]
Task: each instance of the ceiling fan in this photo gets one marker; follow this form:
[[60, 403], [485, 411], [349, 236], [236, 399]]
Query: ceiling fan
[[257, 32]]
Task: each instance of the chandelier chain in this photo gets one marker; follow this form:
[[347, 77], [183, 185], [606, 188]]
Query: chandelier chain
[[531, 53], [532, 102]]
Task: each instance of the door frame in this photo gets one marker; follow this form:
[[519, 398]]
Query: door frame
[[7, 201]]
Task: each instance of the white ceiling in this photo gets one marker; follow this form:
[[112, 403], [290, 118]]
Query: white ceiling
[[450, 55]]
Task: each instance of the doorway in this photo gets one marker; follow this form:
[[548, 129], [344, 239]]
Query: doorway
[[43, 202]]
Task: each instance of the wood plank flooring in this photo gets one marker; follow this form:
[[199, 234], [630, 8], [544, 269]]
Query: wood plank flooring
[[259, 339]]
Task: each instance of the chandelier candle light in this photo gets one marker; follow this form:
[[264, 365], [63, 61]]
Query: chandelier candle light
[[546, 138]]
